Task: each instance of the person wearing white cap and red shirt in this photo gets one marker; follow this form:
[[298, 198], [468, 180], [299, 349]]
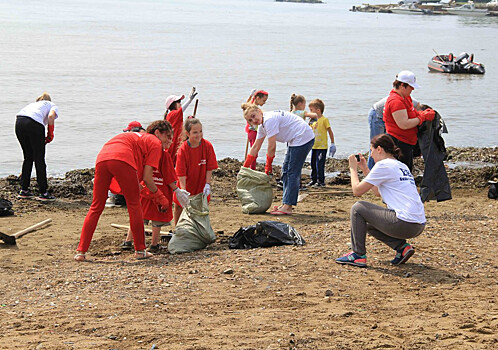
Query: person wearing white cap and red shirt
[[174, 114], [130, 158], [401, 118]]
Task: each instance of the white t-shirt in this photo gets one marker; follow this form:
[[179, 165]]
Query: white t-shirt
[[398, 190], [39, 111], [287, 126]]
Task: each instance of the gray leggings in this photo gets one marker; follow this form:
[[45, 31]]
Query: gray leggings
[[380, 223]]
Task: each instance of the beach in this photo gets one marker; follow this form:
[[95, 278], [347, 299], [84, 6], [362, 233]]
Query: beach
[[269, 298]]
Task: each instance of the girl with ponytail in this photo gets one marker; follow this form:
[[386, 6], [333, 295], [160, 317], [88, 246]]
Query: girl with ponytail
[[404, 216], [257, 98]]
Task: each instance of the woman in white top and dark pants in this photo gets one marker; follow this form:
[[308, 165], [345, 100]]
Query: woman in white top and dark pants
[[30, 131], [404, 216], [281, 126]]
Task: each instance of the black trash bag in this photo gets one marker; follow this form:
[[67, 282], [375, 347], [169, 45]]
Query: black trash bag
[[6, 207], [493, 190], [265, 234]]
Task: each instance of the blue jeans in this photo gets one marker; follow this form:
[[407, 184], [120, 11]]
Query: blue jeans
[[377, 127], [291, 171], [318, 158]]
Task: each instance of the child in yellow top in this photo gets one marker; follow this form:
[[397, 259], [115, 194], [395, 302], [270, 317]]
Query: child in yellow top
[[319, 151]]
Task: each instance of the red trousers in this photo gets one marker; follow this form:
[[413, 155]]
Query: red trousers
[[127, 178]]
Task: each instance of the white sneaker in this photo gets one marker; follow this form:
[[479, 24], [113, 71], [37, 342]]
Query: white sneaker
[[110, 202]]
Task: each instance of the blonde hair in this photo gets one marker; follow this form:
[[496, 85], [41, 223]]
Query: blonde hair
[[317, 103], [248, 108], [295, 100], [45, 97]]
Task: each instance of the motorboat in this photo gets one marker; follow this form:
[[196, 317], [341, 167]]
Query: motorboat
[[464, 64], [409, 9], [467, 10]]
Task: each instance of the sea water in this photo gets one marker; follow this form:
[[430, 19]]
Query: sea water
[[108, 62]]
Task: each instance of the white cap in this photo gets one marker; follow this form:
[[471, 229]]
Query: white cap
[[172, 98], [405, 76]]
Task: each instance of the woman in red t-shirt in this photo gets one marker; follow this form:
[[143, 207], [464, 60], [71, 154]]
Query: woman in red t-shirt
[[195, 163], [401, 118], [258, 98], [129, 158]]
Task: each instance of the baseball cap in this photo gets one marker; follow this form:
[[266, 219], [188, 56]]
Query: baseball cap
[[133, 124], [405, 76], [172, 98]]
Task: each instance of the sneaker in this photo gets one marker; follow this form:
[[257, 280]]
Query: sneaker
[[154, 248], [126, 245], [319, 184], [311, 183], [353, 259], [110, 202], [45, 197], [403, 254], [25, 194], [120, 201]]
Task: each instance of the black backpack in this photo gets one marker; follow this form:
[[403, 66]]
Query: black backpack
[[5, 207]]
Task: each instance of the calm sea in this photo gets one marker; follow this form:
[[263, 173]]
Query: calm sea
[[107, 62]]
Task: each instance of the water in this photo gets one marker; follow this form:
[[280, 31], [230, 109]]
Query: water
[[106, 63]]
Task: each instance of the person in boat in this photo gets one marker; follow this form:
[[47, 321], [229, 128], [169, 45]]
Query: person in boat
[[401, 118], [404, 216], [376, 121]]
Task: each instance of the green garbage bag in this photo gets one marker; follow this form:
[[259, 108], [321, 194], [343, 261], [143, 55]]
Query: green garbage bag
[[254, 190], [193, 231]]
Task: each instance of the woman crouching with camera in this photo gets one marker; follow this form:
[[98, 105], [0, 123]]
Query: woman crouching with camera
[[404, 216]]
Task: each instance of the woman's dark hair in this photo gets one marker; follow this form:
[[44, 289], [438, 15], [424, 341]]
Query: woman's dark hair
[[387, 143], [397, 84], [171, 107], [161, 125]]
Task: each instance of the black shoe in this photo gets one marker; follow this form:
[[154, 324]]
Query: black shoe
[[25, 194], [127, 245], [45, 197], [154, 248], [319, 184], [311, 183]]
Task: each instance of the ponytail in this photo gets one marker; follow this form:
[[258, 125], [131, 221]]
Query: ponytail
[[295, 100], [387, 143]]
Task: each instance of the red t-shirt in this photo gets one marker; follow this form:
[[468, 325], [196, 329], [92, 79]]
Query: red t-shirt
[[133, 148], [396, 102], [194, 163], [176, 120], [162, 178]]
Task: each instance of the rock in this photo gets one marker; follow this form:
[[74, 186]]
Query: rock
[[328, 293], [228, 272]]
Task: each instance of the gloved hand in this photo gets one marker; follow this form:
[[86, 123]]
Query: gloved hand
[[332, 150], [249, 160], [50, 134], [268, 165], [207, 189], [192, 94], [253, 92], [427, 115], [183, 197], [160, 200]]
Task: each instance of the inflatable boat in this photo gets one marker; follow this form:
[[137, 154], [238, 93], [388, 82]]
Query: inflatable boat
[[463, 64]]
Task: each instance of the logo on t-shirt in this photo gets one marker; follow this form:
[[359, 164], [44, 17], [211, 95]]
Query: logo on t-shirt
[[406, 176], [202, 162]]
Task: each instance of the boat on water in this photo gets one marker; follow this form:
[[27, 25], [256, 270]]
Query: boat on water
[[467, 10], [463, 64], [409, 9]]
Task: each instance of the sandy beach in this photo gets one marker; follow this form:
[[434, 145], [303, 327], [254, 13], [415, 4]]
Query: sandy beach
[[274, 298]]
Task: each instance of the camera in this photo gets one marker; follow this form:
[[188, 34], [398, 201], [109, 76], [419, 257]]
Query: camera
[[357, 157]]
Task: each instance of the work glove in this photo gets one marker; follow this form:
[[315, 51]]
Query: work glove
[[207, 190], [183, 197], [157, 198], [427, 115], [249, 160], [268, 165], [50, 134], [332, 150], [193, 93], [253, 92]]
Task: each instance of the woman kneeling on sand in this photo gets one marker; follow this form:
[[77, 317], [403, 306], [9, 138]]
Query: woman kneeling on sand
[[404, 216]]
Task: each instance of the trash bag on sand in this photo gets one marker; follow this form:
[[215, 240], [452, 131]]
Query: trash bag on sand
[[254, 190], [265, 234], [193, 231]]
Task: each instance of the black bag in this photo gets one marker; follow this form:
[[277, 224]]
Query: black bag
[[5, 207], [265, 234], [493, 190]]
